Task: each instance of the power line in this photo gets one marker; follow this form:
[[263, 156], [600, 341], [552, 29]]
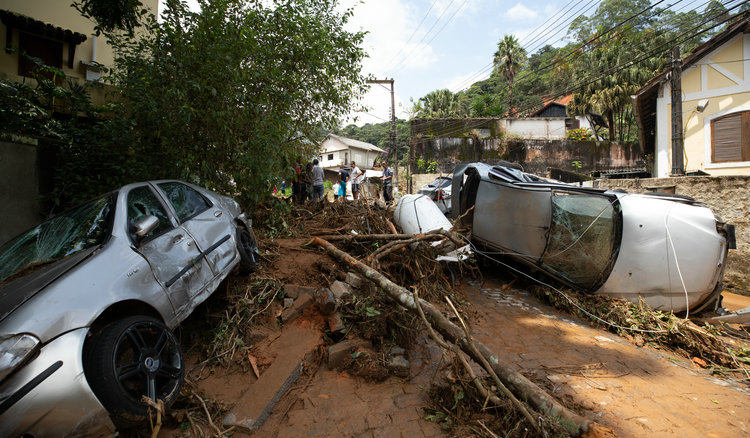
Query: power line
[[460, 128], [447, 22], [620, 67], [423, 38], [463, 83], [566, 22], [559, 61], [413, 33]]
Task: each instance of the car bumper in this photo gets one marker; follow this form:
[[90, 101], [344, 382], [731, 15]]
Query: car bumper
[[49, 396]]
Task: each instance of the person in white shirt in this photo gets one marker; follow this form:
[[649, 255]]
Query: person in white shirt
[[317, 180], [357, 178]]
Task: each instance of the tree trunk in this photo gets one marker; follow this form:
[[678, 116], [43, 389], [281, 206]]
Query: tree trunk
[[611, 123], [520, 385]]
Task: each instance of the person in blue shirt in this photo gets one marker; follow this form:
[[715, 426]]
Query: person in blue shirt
[[343, 178]]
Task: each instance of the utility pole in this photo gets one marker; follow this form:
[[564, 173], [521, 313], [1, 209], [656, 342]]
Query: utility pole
[[393, 124], [675, 86]]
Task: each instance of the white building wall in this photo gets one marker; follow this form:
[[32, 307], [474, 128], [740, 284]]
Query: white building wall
[[537, 128]]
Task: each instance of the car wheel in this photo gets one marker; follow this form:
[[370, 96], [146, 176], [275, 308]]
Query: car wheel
[[248, 249], [131, 358]]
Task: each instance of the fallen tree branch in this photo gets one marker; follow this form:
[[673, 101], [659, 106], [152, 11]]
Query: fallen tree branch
[[474, 378], [520, 385], [487, 367]]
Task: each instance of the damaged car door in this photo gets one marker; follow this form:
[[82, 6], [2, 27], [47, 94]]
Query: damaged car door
[[169, 249], [211, 229]]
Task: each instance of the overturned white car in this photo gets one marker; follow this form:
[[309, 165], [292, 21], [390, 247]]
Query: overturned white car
[[667, 249]]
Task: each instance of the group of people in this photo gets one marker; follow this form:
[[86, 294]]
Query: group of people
[[308, 182]]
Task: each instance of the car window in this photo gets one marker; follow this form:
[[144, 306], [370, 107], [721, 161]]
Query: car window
[[186, 201], [143, 202], [581, 237], [67, 233]]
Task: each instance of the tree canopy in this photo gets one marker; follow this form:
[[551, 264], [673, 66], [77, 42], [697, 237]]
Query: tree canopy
[[608, 56]]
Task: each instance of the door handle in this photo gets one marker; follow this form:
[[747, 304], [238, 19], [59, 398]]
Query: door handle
[[217, 213], [177, 238]]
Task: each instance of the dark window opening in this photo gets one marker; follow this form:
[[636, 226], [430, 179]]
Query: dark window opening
[[46, 51], [330, 157]]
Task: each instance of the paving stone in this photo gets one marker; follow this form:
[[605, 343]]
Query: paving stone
[[353, 280], [336, 325], [341, 290], [295, 290], [326, 301], [339, 353], [399, 366], [397, 351], [288, 302], [256, 404], [299, 306]]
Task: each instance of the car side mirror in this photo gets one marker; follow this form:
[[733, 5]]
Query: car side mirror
[[146, 225]]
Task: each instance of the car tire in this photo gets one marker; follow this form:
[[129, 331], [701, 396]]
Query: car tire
[[247, 246], [129, 358]]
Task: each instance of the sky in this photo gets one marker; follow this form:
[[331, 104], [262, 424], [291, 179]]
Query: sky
[[454, 43], [425, 45]]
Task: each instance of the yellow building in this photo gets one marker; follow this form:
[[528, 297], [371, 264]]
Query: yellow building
[[715, 108], [56, 33]]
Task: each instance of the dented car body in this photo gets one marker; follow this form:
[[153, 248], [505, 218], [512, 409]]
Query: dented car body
[[88, 300], [665, 249]]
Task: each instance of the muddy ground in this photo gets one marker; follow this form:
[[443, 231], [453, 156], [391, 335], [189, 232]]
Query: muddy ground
[[633, 390]]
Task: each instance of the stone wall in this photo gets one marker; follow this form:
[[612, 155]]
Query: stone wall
[[535, 156], [727, 196]]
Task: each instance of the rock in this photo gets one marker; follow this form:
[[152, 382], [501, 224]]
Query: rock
[[299, 306], [295, 290], [353, 280], [288, 302], [340, 290], [398, 365], [327, 303], [339, 353], [336, 325], [397, 351]]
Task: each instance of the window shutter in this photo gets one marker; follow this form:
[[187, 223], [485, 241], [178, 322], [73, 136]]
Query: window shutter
[[727, 138]]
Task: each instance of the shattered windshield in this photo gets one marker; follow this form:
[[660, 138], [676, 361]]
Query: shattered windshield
[[581, 237], [67, 233]]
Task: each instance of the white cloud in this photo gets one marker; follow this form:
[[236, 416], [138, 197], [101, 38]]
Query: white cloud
[[521, 12]]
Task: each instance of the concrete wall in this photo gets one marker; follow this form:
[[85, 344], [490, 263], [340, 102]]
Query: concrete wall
[[534, 155], [19, 189], [727, 196]]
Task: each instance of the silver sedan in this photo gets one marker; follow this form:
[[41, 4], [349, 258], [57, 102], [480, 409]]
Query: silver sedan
[[88, 300]]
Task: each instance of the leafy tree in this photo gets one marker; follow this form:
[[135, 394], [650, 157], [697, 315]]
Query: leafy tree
[[440, 104], [230, 96], [508, 59], [111, 15]]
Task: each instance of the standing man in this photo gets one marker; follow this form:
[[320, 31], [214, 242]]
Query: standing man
[[387, 179], [317, 180], [357, 177]]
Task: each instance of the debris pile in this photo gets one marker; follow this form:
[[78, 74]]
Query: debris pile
[[723, 349]]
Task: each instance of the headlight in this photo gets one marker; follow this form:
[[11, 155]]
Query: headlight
[[14, 350]]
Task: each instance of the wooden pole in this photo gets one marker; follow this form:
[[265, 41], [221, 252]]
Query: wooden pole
[[515, 381], [675, 87]]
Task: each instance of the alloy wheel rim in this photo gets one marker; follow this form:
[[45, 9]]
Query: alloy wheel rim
[[147, 361]]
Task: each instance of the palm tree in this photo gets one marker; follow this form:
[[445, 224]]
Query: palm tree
[[509, 58]]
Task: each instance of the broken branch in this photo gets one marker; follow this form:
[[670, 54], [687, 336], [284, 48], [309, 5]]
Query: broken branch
[[527, 390]]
